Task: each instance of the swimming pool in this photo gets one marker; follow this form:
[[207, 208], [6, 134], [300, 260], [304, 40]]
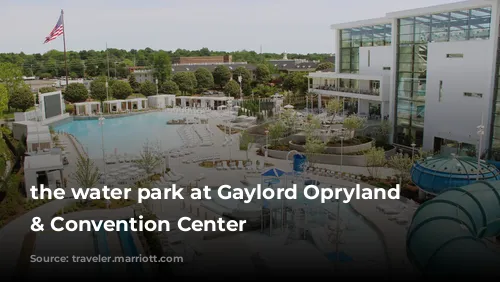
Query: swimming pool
[[125, 134]]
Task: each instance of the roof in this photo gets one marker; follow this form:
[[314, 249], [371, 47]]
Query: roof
[[39, 129], [26, 122], [42, 137], [368, 22], [114, 101], [437, 174], [86, 103], [320, 74], [44, 161], [387, 19]]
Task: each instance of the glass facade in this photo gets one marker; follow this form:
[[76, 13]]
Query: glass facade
[[353, 38], [413, 35], [495, 125]]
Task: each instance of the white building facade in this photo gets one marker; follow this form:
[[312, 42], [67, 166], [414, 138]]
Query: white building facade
[[433, 70]]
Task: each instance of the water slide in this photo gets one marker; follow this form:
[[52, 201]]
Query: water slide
[[102, 248], [130, 250], [447, 234]]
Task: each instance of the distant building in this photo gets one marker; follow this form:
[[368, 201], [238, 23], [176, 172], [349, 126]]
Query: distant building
[[142, 75], [202, 60], [289, 65]]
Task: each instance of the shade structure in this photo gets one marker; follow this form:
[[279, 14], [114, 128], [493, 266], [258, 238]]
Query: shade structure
[[273, 172], [437, 174]]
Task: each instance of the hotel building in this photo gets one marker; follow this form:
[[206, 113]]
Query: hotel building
[[433, 72]]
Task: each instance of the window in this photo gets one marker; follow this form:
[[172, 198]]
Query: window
[[440, 90], [475, 95], [368, 58], [454, 56], [386, 68]]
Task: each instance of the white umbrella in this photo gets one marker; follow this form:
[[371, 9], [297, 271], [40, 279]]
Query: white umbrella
[[288, 106]]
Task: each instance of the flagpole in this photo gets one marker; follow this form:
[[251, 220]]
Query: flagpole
[[64, 42], [107, 77]]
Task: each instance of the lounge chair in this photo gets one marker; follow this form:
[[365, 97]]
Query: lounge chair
[[201, 177], [240, 164], [219, 166], [224, 165], [232, 165]]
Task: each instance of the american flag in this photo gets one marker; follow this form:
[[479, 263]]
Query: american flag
[[57, 31]]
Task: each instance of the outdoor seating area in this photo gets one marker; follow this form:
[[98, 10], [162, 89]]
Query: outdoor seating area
[[126, 174], [118, 158], [248, 166]]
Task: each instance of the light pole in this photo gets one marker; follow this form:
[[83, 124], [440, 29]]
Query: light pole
[[230, 138], [107, 86], [412, 151], [341, 154], [101, 123], [156, 81], [480, 132], [240, 79], [337, 235], [267, 143]]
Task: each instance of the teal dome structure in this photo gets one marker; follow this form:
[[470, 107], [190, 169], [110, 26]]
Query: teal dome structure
[[437, 174], [445, 238]]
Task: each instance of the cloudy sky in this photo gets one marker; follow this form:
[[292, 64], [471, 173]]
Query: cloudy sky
[[294, 26]]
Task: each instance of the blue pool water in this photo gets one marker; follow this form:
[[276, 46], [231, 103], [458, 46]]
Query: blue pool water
[[125, 134]]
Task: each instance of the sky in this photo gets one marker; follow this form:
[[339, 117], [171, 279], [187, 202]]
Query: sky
[[292, 26]]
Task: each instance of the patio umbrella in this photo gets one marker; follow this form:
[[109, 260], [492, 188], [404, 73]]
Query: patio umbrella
[[273, 172], [288, 106]]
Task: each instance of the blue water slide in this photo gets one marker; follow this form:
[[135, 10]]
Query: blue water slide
[[102, 248], [130, 250], [447, 232]]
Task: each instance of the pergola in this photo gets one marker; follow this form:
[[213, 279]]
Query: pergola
[[87, 108]]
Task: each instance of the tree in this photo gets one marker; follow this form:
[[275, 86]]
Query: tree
[[186, 81], [22, 98], [262, 73], [121, 89], [375, 158], [4, 98], [352, 123], [12, 77], [314, 146], [204, 79], [402, 164], [325, 66], [276, 131], [76, 92], [221, 75], [296, 82], [169, 87], [289, 118], [162, 66], [383, 132], [334, 106], [47, 89], [151, 157], [86, 174], [98, 89], [246, 79], [232, 88], [148, 88], [133, 83], [312, 126], [245, 141]]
